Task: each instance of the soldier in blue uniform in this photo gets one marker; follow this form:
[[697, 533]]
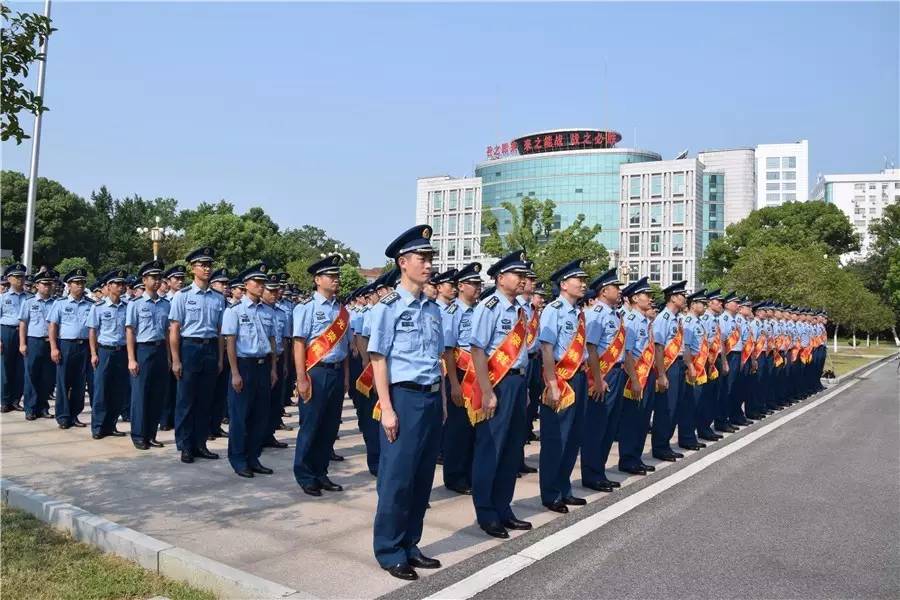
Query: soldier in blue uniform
[[690, 409], [173, 281], [405, 348], [561, 432], [219, 281], [734, 389], [322, 387], [68, 333], [106, 331], [669, 383], [500, 436], [534, 385], [34, 344], [249, 330], [281, 330], [195, 319], [146, 327], [368, 425], [12, 366], [603, 410], [459, 436]]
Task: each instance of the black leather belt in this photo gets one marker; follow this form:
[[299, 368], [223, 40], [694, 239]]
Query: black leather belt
[[411, 385], [256, 360], [154, 343], [333, 366], [76, 341], [34, 337], [113, 348], [516, 372], [12, 326], [198, 340]]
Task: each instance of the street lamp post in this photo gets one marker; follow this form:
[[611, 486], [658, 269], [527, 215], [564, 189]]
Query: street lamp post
[[157, 234]]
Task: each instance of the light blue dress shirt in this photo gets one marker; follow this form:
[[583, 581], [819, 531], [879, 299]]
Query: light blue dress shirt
[[199, 312], [11, 306], [710, 322], [693, 334], [457, 324], [406, 330], [108, 320], [35, 311], [148, 318], [637, 332], [492, 320], [526, 305], [313, 317], [665, 327], [71, 317], [251, 324], [602, 324], [559, 323], [281, 324]]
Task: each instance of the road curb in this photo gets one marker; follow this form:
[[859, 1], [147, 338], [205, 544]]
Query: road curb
[[152, 554], [842, 378]]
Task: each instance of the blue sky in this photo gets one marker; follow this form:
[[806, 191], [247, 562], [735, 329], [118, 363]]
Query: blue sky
[[326, 114]]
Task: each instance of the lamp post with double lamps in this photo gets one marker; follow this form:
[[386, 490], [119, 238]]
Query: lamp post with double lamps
[[157, 234]]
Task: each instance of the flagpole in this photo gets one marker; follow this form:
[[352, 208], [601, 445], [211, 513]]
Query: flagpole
[[28, 249]]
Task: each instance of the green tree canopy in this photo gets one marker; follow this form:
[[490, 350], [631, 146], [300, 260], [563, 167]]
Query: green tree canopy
[[75, 262], [21, 37]]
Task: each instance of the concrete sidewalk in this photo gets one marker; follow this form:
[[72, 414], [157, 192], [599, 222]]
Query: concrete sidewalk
[[265, 526]]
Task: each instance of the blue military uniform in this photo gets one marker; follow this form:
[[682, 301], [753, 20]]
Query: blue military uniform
[[167, 417], [365, 404], [148, 319], [219, 407], [198, 312], [40, 372], [252, 325], [107, 320], [12, 366], [282, 329], [406, 332], [69, 318], [665, 329], [499, 439], [321, 414]]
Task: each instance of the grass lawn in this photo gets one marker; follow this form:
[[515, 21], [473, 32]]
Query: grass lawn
[[42, 563], [848, 358]]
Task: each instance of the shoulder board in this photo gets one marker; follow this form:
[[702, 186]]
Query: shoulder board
[[665, 315], [366, 308], [688, 319], [184, 289], [492, 302], [390, 298], [631, 317], [452, 308], [556, 303], [704, 316], [599, 308], [218, 292], [307, 301]]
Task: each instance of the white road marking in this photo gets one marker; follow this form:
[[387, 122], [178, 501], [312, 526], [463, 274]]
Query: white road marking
[[500, 570]]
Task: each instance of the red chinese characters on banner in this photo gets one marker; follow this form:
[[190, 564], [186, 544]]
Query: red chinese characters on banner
[[555, 141], [526, 145], [558, 140]]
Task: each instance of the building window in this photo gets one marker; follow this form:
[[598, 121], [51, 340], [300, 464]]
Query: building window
[[451, 225], [678, 184], [654, 272], [790, 197], [678, 243], [436, 225], [860, 186], [634, 244], [773, 197], [437, 200], [678, 213], [634, 183], [871, 186], [451, 249], [634, 215], [773, 162], [655, 243], [789, 175], [468, 223], [579, 190], [897, 185], [713, 210], [860, 210], [678, 270], [438, 246], [713, 235], [467, 249], [773, 186], [470, 199], [872, 210], [453, 202], [772, 175], [789, 186], [633, 272], [656, 185], [789, 162], [656, 214]]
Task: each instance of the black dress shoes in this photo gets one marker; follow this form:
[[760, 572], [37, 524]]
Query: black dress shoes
[[726, 429], [141, 445], [600, 486], [220, 433], [205, 453], [336, 457], [403, 571], [648, 468], [527, 469], [98, 436], [31, 417], [18, 407], [273, 443], [557, 506], [677, 454], [633, 470], [495, 530], [423, 562], [743, 423], [312, 490], [165, 428], [45, 414], [330, 486], [187, 456], [243, 473], [77, 423], [573, 501], [283, 427], [460, 489], [261, 470], [517, 524], [155, 444], [694, 447], [666, 457], [64, 426], [117, 433], [710, 438], [6, 409]]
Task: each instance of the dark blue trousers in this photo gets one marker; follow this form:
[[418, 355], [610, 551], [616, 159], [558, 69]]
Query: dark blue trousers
[[535, 389], [694, 410], [89, 378], [739, 388], [200, 368], [458, 445], [110, 389], [368, 426], [12, 366], [601, 421], [276, 399], [665, 409], [321, 419], [498, 447], [167, 416], [40, 376], [723, 411], [561, 434], [148, 390], [634, 425], [70, 380], [219, 407], [249, 410], [405, 475]]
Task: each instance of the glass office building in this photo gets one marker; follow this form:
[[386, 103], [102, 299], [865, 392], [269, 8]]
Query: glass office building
[[713, 207], [578, 170]]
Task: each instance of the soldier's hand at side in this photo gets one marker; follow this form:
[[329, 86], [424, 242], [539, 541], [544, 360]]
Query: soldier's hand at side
[[273, 377], [303, 387], [134, 368], [237, 382], [95, 360], [553, 390], [456, 394], [725, 367], [176, 369], [692, 372], [23, 349], [56, 356], [604, 387], [391, 424], [490, 405], [636, 388], [662, 382]]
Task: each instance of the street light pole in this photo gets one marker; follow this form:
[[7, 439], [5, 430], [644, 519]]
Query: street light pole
[[28, 250], [156, 234]]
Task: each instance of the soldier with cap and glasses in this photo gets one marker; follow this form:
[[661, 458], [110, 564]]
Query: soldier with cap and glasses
[[12, 366], [195, 320], [34, 345], [106, 331]]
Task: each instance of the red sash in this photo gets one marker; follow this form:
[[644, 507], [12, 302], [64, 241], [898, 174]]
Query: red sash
[[713, 355], [699, 363], [761, 344], [733, 338], [609, 357], [533, 324], [565, 368], [747, 350], [671, 350], [641, 369], [327, 340]]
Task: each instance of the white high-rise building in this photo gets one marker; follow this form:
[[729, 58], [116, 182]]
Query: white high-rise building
[[661, 221], [452, 206], [738, 168], [862, 197], [782, 172]]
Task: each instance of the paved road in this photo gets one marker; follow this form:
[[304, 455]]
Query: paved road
[[811, 510]]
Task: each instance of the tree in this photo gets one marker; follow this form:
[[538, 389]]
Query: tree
[[816, 227], [532, 230], [75, 262], [350, 278], [21, 37]]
